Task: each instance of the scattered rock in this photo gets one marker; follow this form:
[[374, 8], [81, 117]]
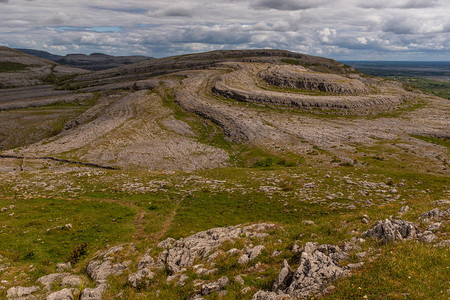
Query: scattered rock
[[65, 294], [351, 206], [233, 251], [213, 256], [393, 230], [442, 202], [403, 210], [63, 266], [146, 262], [171, 278], [263, 295], [442, 244], [428, 237], [357, 265], [21, 292], [361, 254], [141, 278], [182, 279], [48, 280], [222, 293], [106, 265], [319, 264], [434, 226], [246, 290], [203, 271], [239, 280], [284, 278], [99, 270], [296, 249], [276, 253], [184, 252], [308, 222], [434, 214], [214, 286], [94, 294], [71, 280], [144, 275], [250, 254]]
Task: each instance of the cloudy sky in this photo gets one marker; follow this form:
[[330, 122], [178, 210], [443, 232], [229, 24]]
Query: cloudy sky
[[339, 29]]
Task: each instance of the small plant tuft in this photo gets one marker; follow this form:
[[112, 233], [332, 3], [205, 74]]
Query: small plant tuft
[[77, 253]]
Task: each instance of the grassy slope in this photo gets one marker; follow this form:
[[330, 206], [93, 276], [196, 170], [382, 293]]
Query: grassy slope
[[110, 207], [102, 211]]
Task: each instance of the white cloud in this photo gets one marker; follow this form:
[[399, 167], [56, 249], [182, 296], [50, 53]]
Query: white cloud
[[337, 29]]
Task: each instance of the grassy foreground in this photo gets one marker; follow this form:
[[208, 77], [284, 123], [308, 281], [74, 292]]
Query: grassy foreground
[[53, 215]]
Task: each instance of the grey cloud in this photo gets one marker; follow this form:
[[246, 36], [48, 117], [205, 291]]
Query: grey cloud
[[4, 1], [381, 4], [398, 26], [336, 29], [419, 4], [58, 19], [213, 36], [285, 4], [177, 12]]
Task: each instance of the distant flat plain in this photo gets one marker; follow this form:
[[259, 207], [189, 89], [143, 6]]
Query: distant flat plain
[[429, 76]]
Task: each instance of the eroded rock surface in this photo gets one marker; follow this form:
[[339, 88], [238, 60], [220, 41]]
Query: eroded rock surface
[[183, 252], [48, 280], [319, 264], [393, 230], [435, 214], [64, 294], [214, 286], [298, 77], [95, 293], [250, 254], [106, 263], [20, 292]]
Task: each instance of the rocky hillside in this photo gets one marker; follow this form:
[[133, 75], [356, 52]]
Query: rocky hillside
[[18, 69], [92, 62], [258, 174], [157, 114]]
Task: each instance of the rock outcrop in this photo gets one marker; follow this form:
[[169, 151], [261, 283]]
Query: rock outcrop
[[64, 294], [393, 230], [182, 253], [319, 265], [297, 77], [213, 287], [250, 254], [435, 214], [105, 264], [20, 292]]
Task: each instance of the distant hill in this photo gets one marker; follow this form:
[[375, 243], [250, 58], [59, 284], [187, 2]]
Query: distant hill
[[93, 62]]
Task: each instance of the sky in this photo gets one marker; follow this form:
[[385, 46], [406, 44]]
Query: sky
[[339, 29]]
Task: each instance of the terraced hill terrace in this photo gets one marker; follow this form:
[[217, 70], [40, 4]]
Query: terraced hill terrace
[[256, 174]]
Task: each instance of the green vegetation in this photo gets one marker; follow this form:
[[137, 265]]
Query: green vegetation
[[11, 66], [291, 61], [403, 271], [434, 140], [101, 212], [438, 88]]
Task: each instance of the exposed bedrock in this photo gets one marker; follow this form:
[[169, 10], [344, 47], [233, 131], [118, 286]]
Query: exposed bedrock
[[299, 78], [359, 104]]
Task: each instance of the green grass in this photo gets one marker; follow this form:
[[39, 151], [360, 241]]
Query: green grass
[[291, 61], [6, 66], [434, 140], [404, 271], [39, 233], [103, 213], [438, 88]]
